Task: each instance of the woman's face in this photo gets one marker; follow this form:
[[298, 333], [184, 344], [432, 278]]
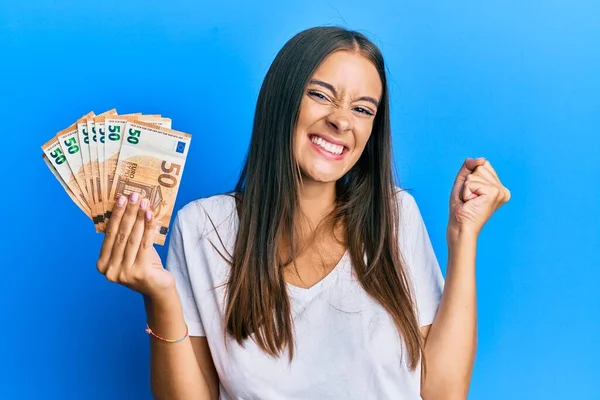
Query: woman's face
[[336, 116]]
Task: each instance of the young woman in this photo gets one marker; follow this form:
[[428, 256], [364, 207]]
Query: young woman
[[315, 278]]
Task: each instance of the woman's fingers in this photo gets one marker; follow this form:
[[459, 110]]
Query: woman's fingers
[[128, 256], [111, 234], [485, 173], [489, 167], [135, 237], [149, 234], [472, 184], [125, 227]]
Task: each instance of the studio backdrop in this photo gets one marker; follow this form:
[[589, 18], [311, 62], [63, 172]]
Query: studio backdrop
[[516, 82]]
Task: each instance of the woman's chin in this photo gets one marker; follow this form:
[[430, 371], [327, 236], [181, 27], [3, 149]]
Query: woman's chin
[[323, 176]]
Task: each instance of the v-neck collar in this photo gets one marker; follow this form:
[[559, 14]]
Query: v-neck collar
[[321, 285]]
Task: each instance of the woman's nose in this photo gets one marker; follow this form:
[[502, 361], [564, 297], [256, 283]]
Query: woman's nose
[[339, 120]]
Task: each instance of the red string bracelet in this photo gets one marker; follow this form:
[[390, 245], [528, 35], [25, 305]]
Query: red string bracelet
[[149, 331]]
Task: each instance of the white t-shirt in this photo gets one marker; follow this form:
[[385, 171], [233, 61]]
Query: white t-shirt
[[346, 345]]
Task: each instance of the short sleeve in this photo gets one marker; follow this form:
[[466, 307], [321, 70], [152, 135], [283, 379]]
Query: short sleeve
[[422, 264], [177, 264]]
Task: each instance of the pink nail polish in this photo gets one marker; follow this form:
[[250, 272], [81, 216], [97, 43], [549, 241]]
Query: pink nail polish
[[134, 197], [148, 215], [121, 200]]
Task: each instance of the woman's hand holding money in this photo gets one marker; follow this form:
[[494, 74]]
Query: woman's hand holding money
[[128, 256]]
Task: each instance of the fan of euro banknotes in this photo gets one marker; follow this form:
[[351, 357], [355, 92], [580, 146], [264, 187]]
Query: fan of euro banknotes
[[100, 157]]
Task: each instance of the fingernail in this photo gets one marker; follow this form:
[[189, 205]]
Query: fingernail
[[144, 204], [121, 200], [134, 197], [148, 215]]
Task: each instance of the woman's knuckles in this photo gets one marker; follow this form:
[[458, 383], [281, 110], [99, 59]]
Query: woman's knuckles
[[145, 245], [101, 266], [126, 274], [142, 276], [131, 209], [132, 240], [121, 238], [109, 234], [112, 275]]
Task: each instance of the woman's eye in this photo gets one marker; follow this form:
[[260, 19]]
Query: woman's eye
[[363, 111], [317, 95]]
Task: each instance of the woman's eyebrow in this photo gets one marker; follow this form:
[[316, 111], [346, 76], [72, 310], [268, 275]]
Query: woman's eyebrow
[[369, 99], [325, 85], [330, 87]]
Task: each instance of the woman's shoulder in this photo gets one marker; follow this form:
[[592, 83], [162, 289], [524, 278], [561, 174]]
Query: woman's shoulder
[[212, 205], [406, 201], [207, 211], [409, 215]]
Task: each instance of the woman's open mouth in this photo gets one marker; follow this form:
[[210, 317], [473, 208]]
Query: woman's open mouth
[[328, 149]]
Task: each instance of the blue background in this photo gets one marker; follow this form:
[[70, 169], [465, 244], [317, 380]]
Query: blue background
[[515, 81]]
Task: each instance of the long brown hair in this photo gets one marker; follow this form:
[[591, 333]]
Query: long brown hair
[[257, 301]]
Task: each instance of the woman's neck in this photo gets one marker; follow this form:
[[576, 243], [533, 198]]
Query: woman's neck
[[317, 199]]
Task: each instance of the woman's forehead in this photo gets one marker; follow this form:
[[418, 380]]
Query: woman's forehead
[[350, 73]]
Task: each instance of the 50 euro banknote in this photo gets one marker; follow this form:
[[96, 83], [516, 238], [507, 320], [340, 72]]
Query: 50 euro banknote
[[101, 135], [71, 148], [95, 125], [56, 158], [151, 162], [82, 206], [113, 140]]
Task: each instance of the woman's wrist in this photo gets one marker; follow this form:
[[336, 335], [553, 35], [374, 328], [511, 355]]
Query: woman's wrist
[[164, 302], [457, 234], [165, 314], [167, 295]]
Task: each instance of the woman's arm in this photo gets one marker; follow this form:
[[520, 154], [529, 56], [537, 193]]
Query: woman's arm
[[207, 365], [128, 257], [175, 373], [451, 340]]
